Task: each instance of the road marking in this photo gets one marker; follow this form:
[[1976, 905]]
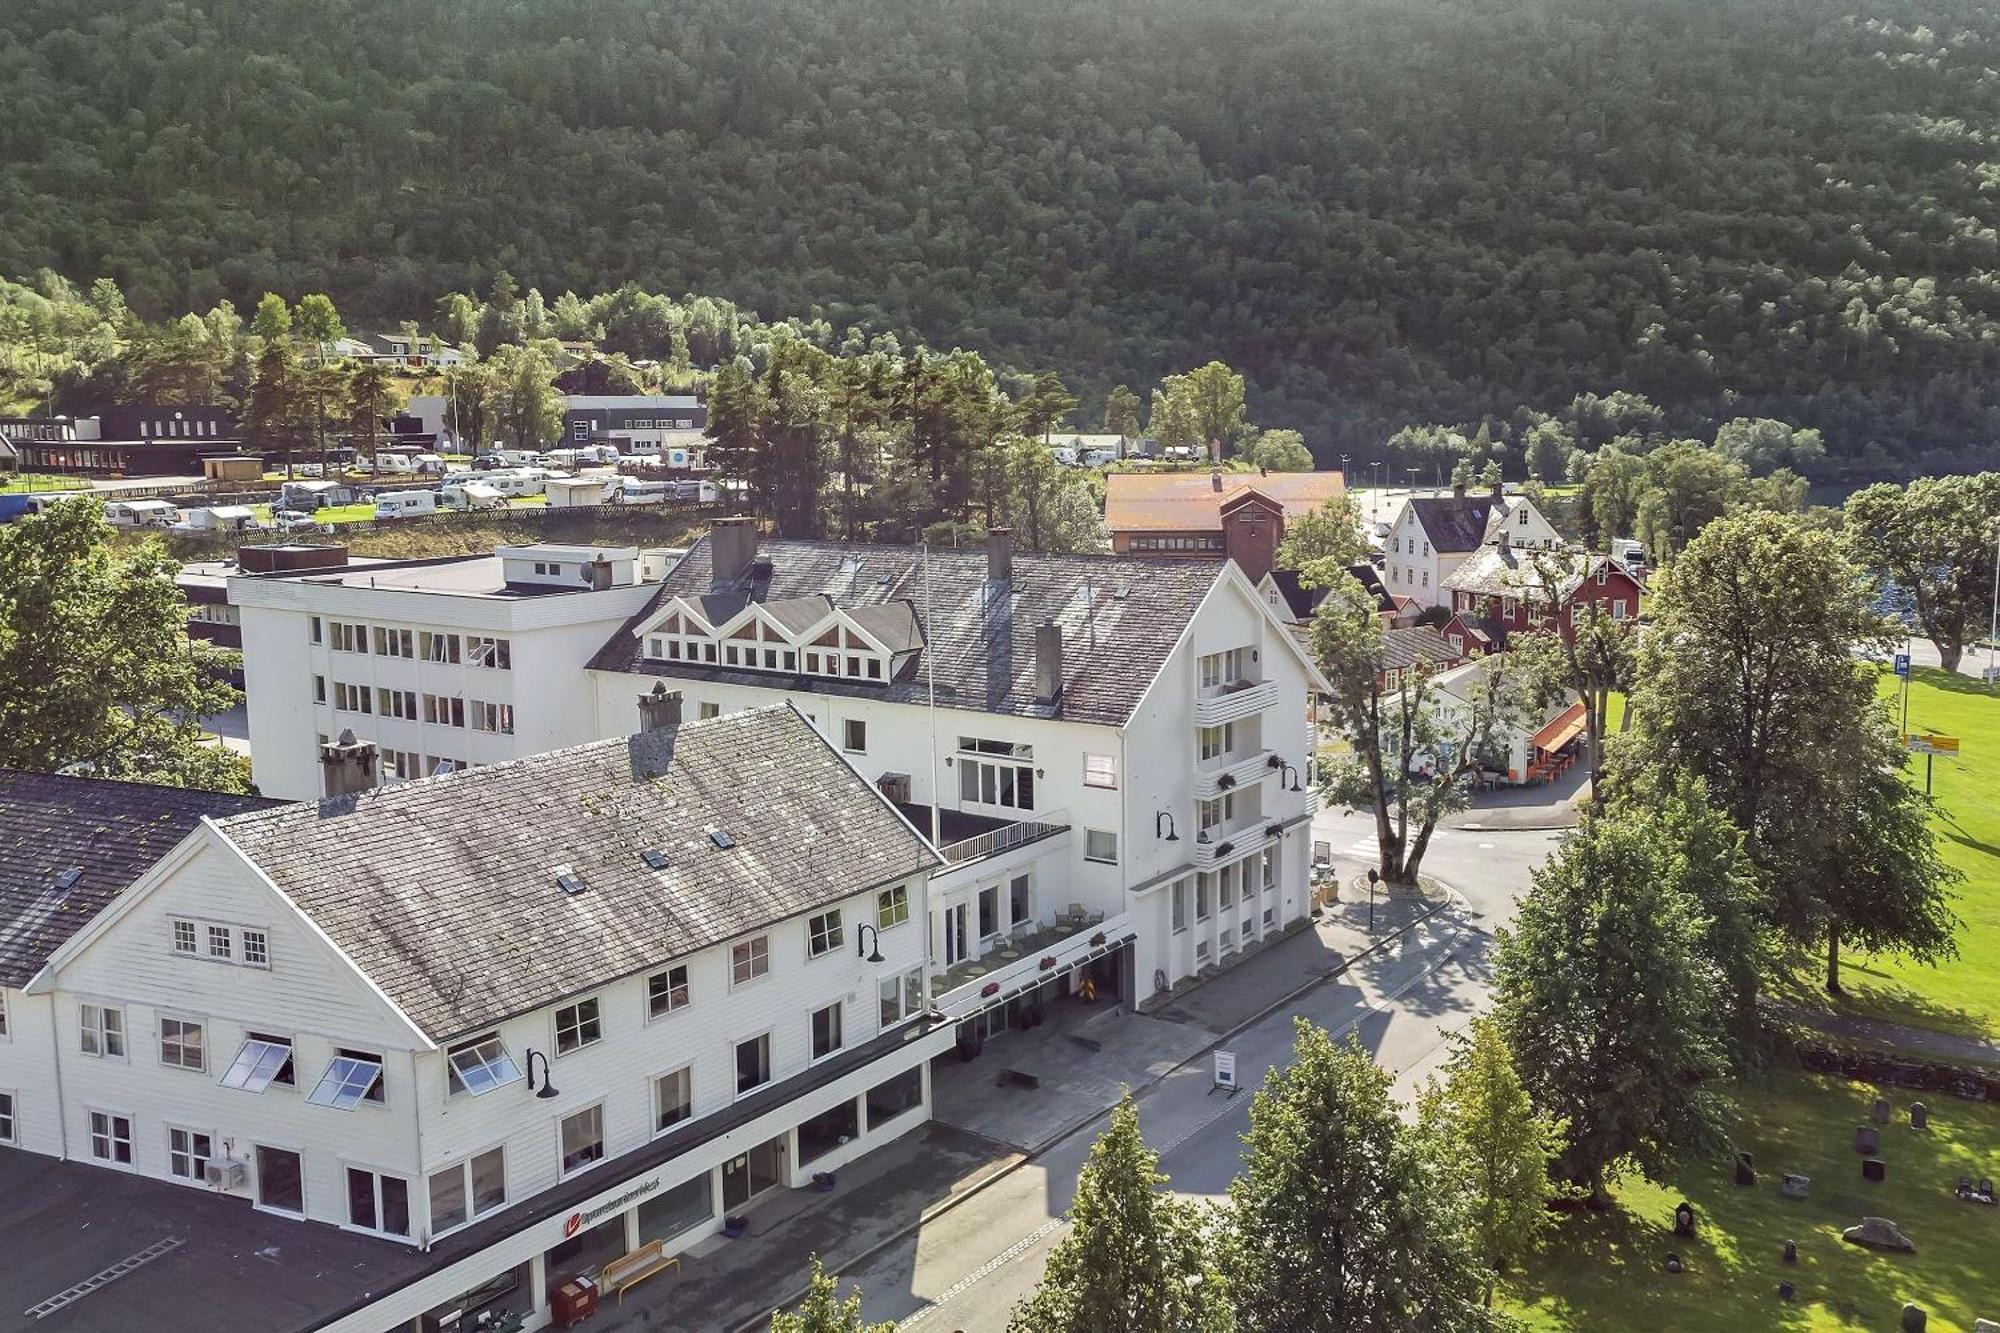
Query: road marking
[[985, 1270], [1485, 846]]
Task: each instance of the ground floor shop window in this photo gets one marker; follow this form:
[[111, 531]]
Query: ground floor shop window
[[673, 1211], [506, 1293], [586, 1251], [889, 1099], [837, 1125]]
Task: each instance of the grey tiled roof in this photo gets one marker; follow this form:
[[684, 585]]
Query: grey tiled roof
[[1454, 523], [1120, 619], [1401, 648], [112, 831], [443, 891], [1512, 571]]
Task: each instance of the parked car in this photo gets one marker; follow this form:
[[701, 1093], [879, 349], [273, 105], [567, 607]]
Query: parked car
[[292, 520], [488, 462]]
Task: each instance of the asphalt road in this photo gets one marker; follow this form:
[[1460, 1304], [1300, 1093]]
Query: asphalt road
[[966, 1270]]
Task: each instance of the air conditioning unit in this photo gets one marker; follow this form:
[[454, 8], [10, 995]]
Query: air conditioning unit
[[226, 1174]]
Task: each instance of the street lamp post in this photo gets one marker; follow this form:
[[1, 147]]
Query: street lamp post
[[1373, 875]]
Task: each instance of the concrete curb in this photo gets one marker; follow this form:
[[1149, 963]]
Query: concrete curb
[[1022, 1159]]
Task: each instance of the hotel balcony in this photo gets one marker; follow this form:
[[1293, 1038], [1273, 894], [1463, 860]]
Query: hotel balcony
[[1242, 772], [1023, 959], [1238, 837], [965, 838], [1233, 703]]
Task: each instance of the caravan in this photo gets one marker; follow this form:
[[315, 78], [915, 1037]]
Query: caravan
[[405, 504], [647, 492], [141, 514], [464, 493]]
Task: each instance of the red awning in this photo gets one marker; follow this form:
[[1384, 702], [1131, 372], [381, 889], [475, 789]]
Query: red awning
[[1560, 732]]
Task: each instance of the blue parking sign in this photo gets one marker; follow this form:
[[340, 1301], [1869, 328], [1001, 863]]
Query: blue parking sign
[[1903, 665]]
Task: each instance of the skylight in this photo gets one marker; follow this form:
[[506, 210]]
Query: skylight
[[67, 880], [346, 1082], [721, 838], [654, 858], [569, 881], [257, 1065]]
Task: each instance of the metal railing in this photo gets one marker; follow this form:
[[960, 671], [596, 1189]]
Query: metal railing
[[1004, 839]]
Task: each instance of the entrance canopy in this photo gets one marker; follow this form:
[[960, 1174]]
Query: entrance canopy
[[1560, 732]]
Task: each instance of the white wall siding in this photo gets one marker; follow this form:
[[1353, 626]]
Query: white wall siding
[[28, 1072]]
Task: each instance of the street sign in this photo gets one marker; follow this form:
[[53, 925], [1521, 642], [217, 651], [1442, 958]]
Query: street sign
[[1930, 744], [1225, 1071], [1902, 665]]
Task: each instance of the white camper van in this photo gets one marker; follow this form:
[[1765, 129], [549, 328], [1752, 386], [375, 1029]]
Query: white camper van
[[647, 492], [468, 494], [141, 514], [405, 504]]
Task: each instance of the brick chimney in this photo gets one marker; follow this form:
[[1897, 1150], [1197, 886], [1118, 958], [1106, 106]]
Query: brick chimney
[[732, 546], [346, 765], [600, 571], [660, 709], [1048, 663], [999, 555]]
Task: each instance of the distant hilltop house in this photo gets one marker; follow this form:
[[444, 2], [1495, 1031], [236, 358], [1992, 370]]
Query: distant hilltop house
[[131, 440], [411, 349], [1434, 534], [1237, 514]]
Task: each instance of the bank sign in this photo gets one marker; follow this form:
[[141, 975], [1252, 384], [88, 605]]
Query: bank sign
[[577, 1221]]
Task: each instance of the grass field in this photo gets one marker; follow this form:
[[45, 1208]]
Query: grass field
[[1605, 1272], [41, 481], [1962, 995]]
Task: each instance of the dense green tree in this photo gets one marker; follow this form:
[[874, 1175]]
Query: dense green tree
[[1762, 445], [1045, 406], [97, 672], [1050, 506], [1121, 412], [1548, 447], [1280, 451], [1134, 1257], [1610, 1005], [520, 396], [371, 396], [275, 410], [823, 1310], [1498, 1143], [1343, 1219], [1937, 539]]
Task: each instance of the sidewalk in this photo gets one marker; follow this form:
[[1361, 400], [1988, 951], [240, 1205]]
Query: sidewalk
[[905, 1187], [1899, 1036], [722, 1283]]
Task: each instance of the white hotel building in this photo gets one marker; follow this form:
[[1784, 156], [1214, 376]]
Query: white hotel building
[[510, 1024]]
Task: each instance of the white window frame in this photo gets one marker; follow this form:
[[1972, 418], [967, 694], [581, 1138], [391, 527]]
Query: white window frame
[[111, 1138], [892, 906], [756, 957], [463, 1166], [826, 933], [580, 1023], [736, 1070], [1090, 833], [201, 1027], [10, 1116], [192, 935], [86, 1030], [672, 1006], [686, 1075], [854, 735], [1100, 770], [409, 1201], [487, 1063], [194, 1175], [378, 1087], [838, 1009], [565, 1171]]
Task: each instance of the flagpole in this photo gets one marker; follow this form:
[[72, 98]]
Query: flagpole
[[930, 681]]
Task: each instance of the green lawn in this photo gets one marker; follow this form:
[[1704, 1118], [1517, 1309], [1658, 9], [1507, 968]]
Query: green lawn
[[1962, 995], [42, 481], [1604, 1272]]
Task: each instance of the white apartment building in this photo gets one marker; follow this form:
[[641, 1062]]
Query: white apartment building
[[1433, 534], [522, 1019], [451, 662], [1110, 751]]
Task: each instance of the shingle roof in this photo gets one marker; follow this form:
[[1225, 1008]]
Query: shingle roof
[[112, 831], [1454, 523], [443, 891], [1189, 501], [1401, 648], [1303, 601], [1120, 619]]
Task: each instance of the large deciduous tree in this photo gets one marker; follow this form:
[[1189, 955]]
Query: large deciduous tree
[[1135, 1258], [520, 395], [1280, 451], [1609, 1003], [1121, 413], [824, 1311], [1411, 751], [1935, 538], [97, 672], [1342, 1218]]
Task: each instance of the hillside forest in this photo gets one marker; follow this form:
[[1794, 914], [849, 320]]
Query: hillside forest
[[1381, 214]]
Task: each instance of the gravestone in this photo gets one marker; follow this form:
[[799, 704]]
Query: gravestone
[[1746, 1174], [1867, 1140], [1985, 1326], [1673, 1263], [1786, 1291], [1914, 1319], [1796, 1186], [1684, 1220], [1920, 1116], [1879, 1112], [1791, 1251], [1879, 1233], [1875, 1169]]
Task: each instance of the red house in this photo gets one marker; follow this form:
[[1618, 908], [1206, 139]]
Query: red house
[[1502, 590]]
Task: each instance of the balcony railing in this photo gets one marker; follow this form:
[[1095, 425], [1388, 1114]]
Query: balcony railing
[[1238, 837], [1004, 839], [1232, 773], [1233, 705]]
